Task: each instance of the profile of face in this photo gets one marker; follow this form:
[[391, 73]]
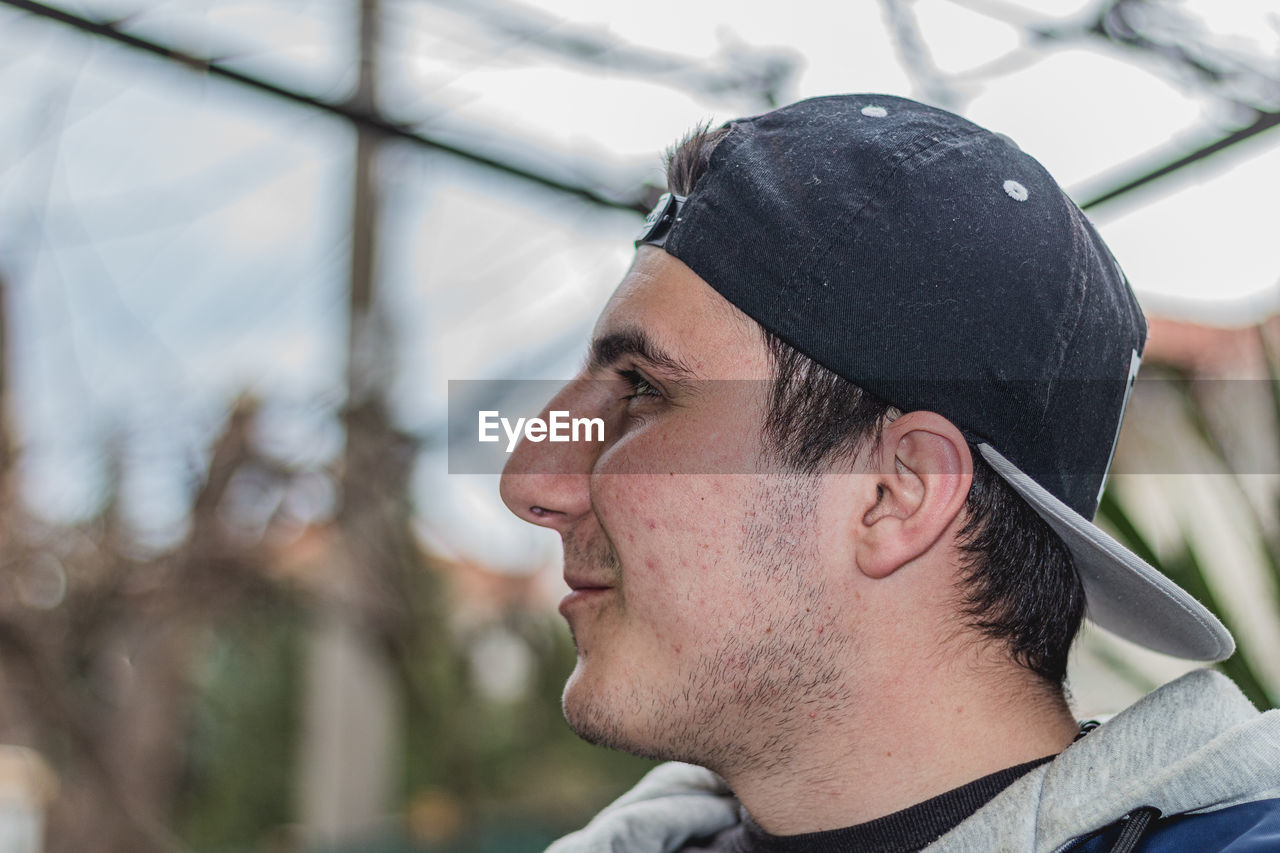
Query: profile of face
[[702, 603]]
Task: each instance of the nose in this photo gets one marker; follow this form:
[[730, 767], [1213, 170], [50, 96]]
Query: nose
[[548, 483]]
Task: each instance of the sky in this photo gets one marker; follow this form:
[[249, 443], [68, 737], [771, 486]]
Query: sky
[[171, 241]]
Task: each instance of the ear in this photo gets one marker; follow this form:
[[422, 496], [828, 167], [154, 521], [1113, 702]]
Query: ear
[[922, 472]]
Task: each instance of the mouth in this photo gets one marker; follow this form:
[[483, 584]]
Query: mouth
[[592, 570], [582, 593], [576, 584]]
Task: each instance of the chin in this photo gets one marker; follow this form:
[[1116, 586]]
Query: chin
[[587, 715], [600, 722], [627, 721]]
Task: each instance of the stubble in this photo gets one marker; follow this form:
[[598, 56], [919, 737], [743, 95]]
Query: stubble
[[753, 692]]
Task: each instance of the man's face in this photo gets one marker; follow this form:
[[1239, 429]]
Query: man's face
[[702, 607]]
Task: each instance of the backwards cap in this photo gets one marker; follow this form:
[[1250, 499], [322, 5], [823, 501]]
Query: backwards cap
[[933, 263]]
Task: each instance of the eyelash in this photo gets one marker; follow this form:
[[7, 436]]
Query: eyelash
[[637, 381]]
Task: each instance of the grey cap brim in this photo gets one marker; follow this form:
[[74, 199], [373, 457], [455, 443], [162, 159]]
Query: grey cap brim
[[1124, 594]]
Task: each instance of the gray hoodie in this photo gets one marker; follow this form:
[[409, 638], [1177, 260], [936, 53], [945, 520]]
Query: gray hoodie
[[1194, 745]]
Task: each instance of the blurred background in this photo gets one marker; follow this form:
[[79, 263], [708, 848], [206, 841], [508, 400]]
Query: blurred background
[[245, 246]]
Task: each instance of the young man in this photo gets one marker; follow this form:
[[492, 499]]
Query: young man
[[861, 388]]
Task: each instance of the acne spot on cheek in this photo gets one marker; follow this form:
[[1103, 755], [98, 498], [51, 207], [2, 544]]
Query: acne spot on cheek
[[650, 563], [677, 648], [653, 525], [821, 629]]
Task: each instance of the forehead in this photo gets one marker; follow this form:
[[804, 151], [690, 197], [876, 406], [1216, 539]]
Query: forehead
[[684, 316]]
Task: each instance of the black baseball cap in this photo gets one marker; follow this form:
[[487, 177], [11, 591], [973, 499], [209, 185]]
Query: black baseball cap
[[933, 263]]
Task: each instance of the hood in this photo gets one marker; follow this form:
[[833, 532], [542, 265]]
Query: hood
[[673, 803], [1195, 744]]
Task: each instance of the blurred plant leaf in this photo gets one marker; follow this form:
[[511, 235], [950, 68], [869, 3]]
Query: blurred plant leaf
[[1182, 564]]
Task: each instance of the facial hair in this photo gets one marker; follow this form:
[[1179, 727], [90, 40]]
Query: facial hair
[[742, 702]]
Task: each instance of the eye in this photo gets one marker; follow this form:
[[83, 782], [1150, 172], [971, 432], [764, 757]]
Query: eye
[[640, 387]]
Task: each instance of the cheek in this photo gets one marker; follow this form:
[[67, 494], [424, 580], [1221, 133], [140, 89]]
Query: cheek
[[693, 515], [677, 536]]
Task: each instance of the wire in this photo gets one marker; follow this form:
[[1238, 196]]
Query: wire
[[363, 118]]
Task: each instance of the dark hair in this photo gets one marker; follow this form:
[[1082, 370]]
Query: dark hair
[[1019, 585]]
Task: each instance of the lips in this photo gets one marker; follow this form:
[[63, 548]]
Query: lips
[[576, 583], [584, 587], [592, 571]]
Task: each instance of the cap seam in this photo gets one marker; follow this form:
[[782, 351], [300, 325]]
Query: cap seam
[[823, 248], [1078, 247]]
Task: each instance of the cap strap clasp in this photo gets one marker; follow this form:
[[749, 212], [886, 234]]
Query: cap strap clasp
[[657, 225]]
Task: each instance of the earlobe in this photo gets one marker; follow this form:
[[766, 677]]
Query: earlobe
[[922, 476]]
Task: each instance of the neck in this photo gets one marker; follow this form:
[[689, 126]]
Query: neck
[[911, 739]]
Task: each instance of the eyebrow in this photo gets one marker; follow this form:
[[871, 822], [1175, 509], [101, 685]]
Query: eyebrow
[[608, 350]]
